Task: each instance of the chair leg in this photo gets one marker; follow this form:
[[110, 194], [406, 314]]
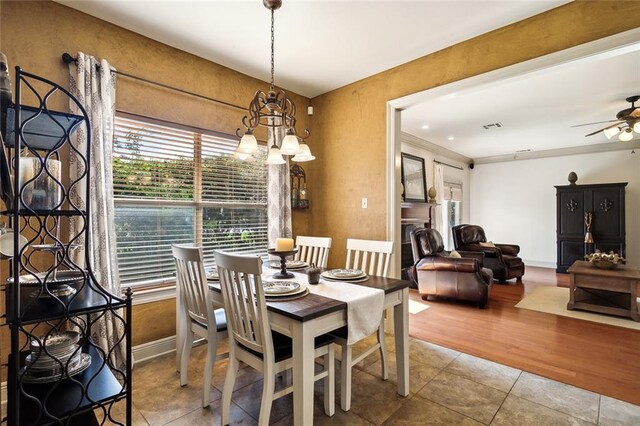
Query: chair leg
[[345, 378], [383, 350], [229, 383], [184, 357], [208, 368], [330, 382], [267, 397]]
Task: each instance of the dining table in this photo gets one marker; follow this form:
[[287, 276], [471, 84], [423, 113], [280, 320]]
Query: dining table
[[306, 317]]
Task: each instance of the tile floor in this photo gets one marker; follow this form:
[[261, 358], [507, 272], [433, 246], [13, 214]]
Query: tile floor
[[447, 388]]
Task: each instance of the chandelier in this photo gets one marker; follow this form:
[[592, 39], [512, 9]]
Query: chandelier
[[273, 110]]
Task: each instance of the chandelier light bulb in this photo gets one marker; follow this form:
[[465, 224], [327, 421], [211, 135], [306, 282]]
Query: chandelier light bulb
[[611, 132], [290, 144], [627, 135], [304, 155], [275, 156], [636, 127]]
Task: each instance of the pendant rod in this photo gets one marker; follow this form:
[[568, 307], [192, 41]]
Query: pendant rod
[[67, 58]]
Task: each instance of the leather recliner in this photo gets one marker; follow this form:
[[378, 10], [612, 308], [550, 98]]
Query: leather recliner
[[502, 259], [439, 275]]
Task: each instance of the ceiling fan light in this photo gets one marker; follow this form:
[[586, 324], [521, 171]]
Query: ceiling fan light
[[611, 132], [248, 144], [627, 135], [304, 155], [636, 127], [290, 144], [275, 156]]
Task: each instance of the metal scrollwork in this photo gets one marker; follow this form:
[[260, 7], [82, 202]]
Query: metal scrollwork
[[606, 204], [572, 205]]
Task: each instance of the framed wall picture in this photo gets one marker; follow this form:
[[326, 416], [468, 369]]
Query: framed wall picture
[[414, 178]]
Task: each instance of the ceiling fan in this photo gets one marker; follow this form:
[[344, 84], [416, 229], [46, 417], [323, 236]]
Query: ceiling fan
[[626, 123]]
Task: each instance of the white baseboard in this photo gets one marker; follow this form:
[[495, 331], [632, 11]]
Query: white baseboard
[[150, 350], [539, 263]]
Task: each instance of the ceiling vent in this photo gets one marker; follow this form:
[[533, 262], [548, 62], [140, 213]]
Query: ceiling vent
[[492, 126]]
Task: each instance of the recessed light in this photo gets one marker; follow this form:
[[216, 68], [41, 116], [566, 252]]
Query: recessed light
[[426, 126], [450, 138]]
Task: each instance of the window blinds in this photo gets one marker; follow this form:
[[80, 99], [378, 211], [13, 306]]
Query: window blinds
[[175, 186]]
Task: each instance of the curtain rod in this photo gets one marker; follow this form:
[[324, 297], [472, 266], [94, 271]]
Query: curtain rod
[[67, 58], [448, 165]]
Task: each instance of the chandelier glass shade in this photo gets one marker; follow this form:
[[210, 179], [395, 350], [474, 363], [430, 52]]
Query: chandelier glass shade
[[275, 110], [625, 134]]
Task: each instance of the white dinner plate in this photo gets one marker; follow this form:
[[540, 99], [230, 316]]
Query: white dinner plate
[[290, 264], [344, 274], [275, 288]]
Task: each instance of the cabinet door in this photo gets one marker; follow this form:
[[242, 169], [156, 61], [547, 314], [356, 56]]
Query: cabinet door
[[569, 252], [608, 214], [571, 213]]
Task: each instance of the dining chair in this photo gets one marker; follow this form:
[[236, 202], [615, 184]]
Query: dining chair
[[373, 257], [313, 250], [252, 341], [199, 316]]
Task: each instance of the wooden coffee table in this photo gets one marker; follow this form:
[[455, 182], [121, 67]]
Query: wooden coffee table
[[606, 291]]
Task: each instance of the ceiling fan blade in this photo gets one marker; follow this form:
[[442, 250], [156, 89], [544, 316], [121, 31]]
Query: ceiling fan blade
[[597, 122], [635, 113], [604, 128]]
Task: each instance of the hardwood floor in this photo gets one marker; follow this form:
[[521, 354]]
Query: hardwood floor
[[597, 357]]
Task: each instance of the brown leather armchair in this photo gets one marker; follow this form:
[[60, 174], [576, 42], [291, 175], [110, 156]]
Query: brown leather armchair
[[502, 259], [439, 275]]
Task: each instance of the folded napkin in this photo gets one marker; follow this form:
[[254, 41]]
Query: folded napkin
[[364, 306]]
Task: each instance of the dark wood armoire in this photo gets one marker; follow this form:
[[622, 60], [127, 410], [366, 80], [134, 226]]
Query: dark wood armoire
[[605, 202]]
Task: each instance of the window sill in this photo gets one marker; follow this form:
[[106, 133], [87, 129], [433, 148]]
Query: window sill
[[143, 296]]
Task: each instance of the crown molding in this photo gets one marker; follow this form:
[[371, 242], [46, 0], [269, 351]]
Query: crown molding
[[420, 143], [560, 152]]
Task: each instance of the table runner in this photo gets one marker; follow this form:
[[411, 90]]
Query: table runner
[[364, 304]]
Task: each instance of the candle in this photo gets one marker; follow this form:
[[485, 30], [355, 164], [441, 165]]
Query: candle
[[284, 244]]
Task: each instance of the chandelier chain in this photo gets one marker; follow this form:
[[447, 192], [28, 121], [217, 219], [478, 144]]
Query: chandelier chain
[[273, 42]]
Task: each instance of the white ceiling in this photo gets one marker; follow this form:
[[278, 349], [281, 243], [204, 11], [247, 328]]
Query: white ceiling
[[537, 110], [320, 45]]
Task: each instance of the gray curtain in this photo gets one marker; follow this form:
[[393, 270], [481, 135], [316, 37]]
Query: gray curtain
[[94, 85], [278, 194]]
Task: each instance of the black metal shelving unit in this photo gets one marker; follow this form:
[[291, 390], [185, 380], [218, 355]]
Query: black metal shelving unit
[[36, 309]]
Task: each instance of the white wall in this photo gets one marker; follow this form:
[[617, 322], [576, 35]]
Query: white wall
[[515, 201]]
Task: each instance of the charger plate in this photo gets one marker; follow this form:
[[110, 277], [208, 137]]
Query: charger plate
[[287, 297]]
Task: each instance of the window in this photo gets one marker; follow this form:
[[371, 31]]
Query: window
[[175, 185]]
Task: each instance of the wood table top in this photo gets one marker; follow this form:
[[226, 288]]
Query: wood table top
[[622, 271], [312, 305]]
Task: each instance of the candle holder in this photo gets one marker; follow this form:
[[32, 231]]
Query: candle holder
[[283, 274]]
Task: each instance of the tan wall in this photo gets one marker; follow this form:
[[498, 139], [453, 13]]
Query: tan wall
[[350, 122], [34, 35]]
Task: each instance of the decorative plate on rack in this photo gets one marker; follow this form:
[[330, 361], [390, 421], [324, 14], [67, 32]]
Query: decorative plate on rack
[[276, 288], [82, 363], [54, 247], [344, 274], [53, 277], [56, 342], [290, 264]]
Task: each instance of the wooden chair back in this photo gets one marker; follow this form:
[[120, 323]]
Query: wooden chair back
[[244, 302], [373, 257], [190, 276], [313, 250]]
